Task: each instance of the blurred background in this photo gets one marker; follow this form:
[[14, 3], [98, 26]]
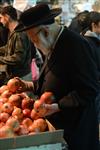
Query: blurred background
[[70, 8]]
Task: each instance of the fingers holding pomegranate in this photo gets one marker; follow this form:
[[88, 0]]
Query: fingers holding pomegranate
[[16, 85], [46, 97]]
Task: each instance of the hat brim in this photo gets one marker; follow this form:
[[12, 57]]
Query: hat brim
[[54, 12]]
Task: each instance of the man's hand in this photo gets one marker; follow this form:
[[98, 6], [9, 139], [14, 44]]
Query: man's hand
[[51, 108], [24, 85], [47, 109]]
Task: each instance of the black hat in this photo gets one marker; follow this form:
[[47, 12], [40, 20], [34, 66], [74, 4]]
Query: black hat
[[38, 15]]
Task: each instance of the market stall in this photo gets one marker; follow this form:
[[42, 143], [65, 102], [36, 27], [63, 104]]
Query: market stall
[[19, 128]]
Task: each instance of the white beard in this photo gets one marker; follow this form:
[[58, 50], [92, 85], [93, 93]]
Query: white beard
[[44, 44]]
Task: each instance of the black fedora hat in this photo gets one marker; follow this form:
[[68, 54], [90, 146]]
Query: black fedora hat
[[38, 15]]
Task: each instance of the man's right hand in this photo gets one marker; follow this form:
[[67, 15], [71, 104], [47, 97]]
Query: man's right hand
[[24, 85]]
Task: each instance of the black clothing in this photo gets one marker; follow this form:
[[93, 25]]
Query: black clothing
[[3, 35], [71, 68]]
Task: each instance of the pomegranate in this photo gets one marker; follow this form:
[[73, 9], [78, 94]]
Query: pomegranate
[[38, 125], [27, 103], [32, 128], [4, 116], [3, 88], [6, 94], [17, 112], [38, 104], [2, 124], [26, 112], [46, 97], [1, 104], [13, 123], [7, 107], [15, 100], [13, 84], [6, 131], [3, 99], [27, 122], [22, 130], [41, 111], [34, 115]]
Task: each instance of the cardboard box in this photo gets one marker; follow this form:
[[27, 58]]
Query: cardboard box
[[49, 137], [42, 138]]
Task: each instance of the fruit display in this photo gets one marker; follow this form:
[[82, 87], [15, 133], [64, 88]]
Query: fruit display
[[17, 114]]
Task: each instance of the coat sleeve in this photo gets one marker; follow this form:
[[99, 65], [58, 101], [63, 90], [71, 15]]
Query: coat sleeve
[[71, 100]]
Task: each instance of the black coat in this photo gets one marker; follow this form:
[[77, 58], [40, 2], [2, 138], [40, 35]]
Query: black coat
[[71, 68], [95, 44], [95, 50]]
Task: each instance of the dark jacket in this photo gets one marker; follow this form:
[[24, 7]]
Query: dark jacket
[[94, 41], [16, 54], [3, 35], [71, 68]]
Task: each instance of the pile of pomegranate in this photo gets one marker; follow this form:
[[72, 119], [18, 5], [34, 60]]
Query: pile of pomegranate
[[17, 112]]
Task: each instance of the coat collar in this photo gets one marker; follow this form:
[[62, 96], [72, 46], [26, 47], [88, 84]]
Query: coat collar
[[49, 56]]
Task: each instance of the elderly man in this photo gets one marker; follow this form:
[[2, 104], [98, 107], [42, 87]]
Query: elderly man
[[69, 73]]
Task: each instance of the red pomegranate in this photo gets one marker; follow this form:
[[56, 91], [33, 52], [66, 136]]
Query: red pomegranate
[[3, 88], [7, 107], [4, 116], [15, 100], [13, 84], [13, 123]]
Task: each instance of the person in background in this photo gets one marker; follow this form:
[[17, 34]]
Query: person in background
[[96, 6], [6, 2], [79, 22], [69, 72], [3, 33], [15, 56], [92, 35]]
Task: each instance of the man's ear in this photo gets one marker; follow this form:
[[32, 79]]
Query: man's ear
[[94, 25]]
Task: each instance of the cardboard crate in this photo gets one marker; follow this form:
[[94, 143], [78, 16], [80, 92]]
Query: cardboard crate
[[49, 137], [42, 138]]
